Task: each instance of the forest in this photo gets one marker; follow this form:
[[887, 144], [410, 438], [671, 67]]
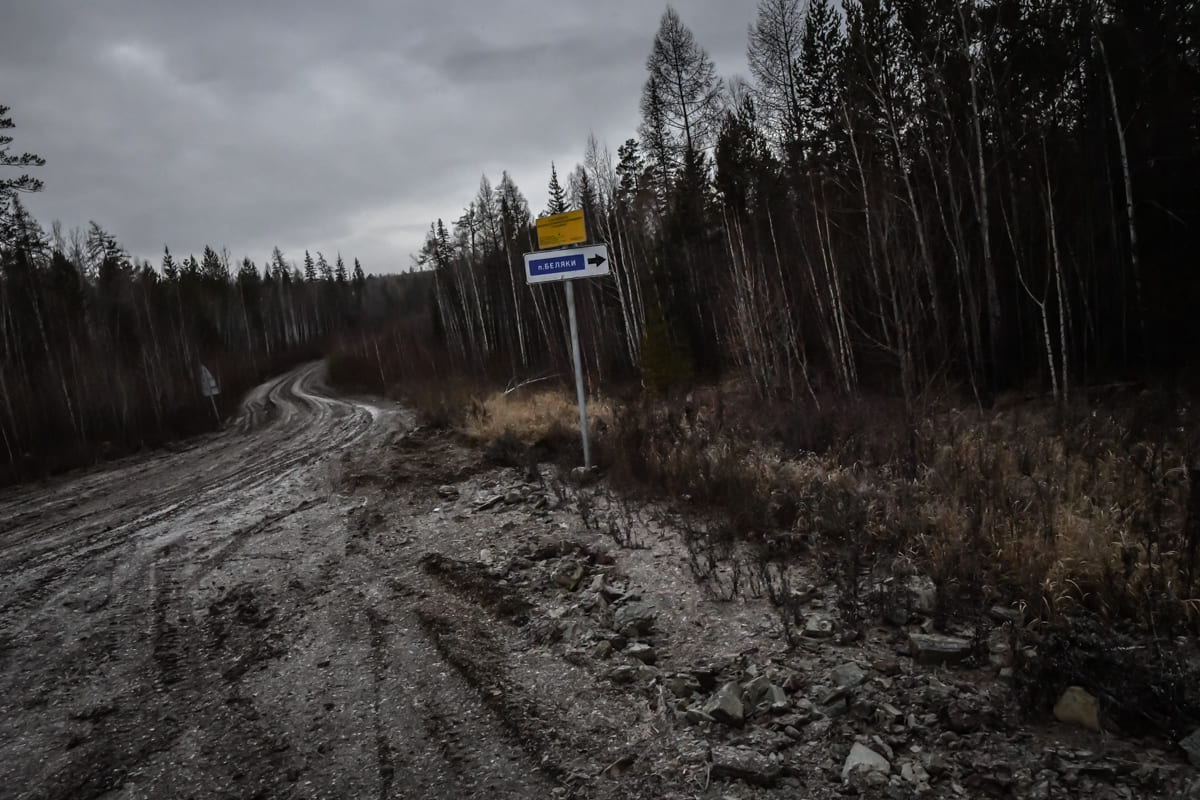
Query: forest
[[101, 355], [903, 196]]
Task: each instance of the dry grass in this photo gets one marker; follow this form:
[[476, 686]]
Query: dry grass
[[530, 417], [1014, 507]]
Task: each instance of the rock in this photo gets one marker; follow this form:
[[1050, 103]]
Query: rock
[[848, 675], [930, 649], [776, 700], [889, 668], [726, 705], [1191, 746], [634, 617], [916, 775], [756, 688], [1077, 707], [647, 673], [1002, 614], [901, 599], [818, 628], [626, 673], [864, 759], [583, 475], [642, 652], [491, 502], [1000, 652], [765, 696], [569, 575], [742, 763], [447, 491], [683, 685], [968, 714], [551, 546]]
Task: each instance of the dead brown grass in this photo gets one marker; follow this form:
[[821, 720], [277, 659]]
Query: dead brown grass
[[1025, 506], [530, 416]]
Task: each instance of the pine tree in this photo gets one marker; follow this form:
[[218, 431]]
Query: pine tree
[[557, 202], [23, 182], [169, 270]]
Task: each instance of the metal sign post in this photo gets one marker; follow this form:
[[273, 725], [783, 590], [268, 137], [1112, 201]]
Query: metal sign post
[[566, 265], [569, 286]]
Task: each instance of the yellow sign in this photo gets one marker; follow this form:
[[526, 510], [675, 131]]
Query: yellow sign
[[560, 229]]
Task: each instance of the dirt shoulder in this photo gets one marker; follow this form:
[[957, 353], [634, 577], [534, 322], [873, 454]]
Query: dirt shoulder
[[578, 618]]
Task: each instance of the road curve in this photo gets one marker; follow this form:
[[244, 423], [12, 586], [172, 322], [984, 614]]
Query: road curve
[[210, 623]]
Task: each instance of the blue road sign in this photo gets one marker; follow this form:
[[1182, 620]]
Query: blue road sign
[[561, 265], [556, 264]]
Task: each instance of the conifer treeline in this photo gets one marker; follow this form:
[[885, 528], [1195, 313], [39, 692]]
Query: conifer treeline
[[990, 192], [100, 355]]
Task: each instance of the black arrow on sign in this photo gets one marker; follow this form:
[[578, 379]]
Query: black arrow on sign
[[596, 260]]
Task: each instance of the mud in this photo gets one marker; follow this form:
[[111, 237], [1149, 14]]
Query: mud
[[327, 601]]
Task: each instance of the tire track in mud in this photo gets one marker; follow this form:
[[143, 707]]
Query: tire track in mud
[[383, 747], [43, 557], [105, 604]]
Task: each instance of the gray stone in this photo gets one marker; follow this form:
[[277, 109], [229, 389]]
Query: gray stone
[[569, 575], [634, 617], [742, 763], [763, 695], [818, 628], [930, 649], [683, 685], [1078, 707], [1191, 746], [726, 705], [848, 675], [642, 652], [647, 673], [776, 700], [583, 475], [626, 673], [922, 594], [864, 759], [1003, 614], [1000, 652], [756, 688]]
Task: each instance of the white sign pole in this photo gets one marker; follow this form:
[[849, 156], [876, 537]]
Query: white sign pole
[[583, 424]]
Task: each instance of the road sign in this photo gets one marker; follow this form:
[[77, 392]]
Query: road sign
[[208, 384], [562, 265], [561, 229]]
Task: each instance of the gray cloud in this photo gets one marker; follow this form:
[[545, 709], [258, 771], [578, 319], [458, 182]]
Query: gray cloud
[[335, 127]]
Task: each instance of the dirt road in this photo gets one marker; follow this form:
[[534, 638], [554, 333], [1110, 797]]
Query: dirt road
[[326, 601], [211, 623]]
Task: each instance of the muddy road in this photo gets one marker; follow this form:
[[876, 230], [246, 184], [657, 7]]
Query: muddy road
[[212, 623], [326, 601]]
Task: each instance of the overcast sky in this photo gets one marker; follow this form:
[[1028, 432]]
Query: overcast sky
[[340, 127]]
